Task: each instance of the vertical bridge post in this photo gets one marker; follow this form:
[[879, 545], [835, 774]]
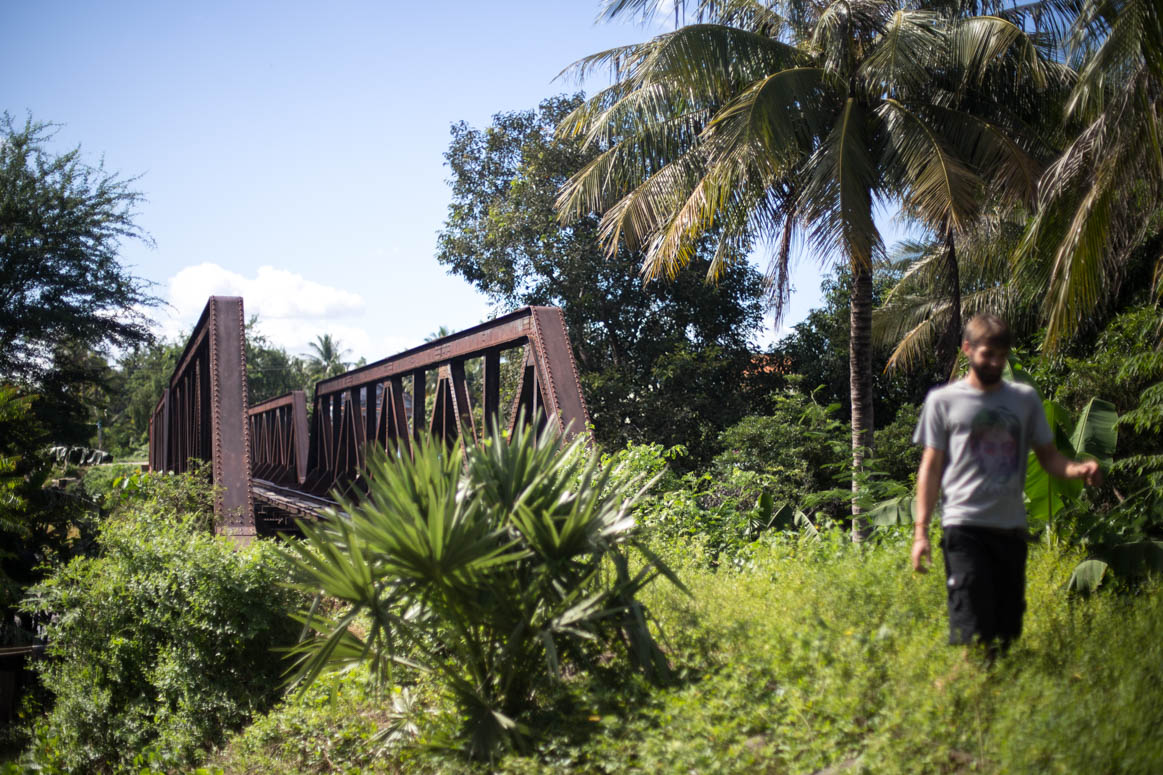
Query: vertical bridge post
[[202, 415]]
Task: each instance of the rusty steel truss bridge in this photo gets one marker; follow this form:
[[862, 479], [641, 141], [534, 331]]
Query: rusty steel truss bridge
[[273, 462]]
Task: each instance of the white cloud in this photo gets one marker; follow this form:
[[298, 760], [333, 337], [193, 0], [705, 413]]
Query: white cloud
[[292, 310], [272, 293]]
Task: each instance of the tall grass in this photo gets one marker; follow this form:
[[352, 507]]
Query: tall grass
[[823, 653]]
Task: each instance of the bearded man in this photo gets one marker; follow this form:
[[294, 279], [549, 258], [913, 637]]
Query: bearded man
[[976, 433]]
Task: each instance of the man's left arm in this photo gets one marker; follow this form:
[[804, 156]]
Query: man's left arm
[[1057, 464]]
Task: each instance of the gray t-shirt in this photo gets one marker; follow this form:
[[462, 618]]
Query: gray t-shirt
[[986, 437]]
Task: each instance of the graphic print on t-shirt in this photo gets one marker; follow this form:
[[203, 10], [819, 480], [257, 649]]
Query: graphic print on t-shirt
[[995, 444]]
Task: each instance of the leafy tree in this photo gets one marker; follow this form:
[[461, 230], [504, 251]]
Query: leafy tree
[[664, 362], [62, 224], [771, 119]]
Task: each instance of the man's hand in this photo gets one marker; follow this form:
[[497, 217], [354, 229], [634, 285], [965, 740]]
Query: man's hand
[[928, 486], [1086, 470], [922, 553], [1057, 464]]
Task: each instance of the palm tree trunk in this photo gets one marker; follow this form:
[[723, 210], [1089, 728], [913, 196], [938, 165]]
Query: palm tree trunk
[[860, 384], [950, 341]]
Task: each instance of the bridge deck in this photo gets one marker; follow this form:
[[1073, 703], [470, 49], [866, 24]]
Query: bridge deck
[[281, 505]]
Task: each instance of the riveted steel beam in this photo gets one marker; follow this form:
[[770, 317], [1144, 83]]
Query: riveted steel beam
[[203, 414]]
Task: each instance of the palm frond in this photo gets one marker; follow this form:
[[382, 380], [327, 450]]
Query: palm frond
[[905, 53], [838, 191], [1127, 45], [991, 150], [605, 179], [726, 196], [783, 113], [917, 322], [917, 343], [710, 61], [637, 218], [932, 183], [1077, 276], [750, 144], [982, 43]]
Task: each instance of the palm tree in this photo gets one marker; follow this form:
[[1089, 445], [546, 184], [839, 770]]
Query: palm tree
[[768, 122], [1097, 201], [327, 356], [932, 294]]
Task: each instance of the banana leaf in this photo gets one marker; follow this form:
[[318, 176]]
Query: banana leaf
[[1096, 432], [1015, 372], [1087, 576], [1126, 561], [1045, 495], [894, 511]]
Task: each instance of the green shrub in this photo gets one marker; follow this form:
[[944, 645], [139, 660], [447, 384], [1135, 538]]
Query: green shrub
[[106, 484], [340, 724], [896, 454], [798, 444], [164, 640]]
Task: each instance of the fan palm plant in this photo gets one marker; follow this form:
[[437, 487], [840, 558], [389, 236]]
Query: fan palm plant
[[1099, 199], [488, 568], [764, 121]]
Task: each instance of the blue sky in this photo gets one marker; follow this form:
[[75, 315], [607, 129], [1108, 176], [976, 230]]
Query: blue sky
[[291, 152]]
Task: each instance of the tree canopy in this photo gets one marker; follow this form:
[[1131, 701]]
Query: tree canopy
[[768, 121], [62, 225], [659, 361]]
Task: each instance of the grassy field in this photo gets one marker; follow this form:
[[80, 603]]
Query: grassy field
[[816, 656]]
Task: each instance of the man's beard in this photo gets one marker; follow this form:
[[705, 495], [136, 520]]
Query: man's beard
[[986, 375]]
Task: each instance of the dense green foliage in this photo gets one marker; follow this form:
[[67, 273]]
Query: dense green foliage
[[816, 653], [496, 600], [493, 569], [143, 373], [666, 362], [40, 524], [162, 641]]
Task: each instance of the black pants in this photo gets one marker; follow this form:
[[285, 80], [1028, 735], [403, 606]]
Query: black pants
[[985, 577]]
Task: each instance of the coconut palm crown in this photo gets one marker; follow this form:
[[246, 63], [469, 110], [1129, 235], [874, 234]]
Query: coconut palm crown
[[1100, 198], [766, 123]]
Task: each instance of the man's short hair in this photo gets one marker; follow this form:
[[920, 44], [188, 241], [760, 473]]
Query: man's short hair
[[988, 329]]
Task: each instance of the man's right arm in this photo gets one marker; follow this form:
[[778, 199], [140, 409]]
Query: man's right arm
[[928, 486]]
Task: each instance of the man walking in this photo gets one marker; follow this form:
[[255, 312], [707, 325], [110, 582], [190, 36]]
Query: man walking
[[976, 433]]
